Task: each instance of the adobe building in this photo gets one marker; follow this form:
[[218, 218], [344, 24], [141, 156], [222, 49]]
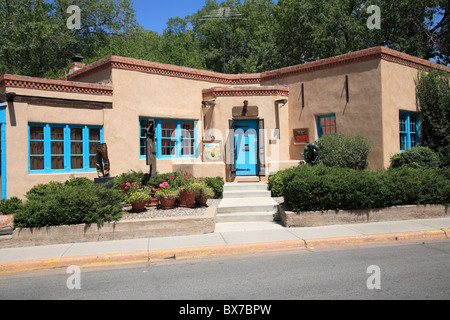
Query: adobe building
[[207, 123]]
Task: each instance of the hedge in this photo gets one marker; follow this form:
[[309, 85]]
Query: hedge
[[78, 201], [320, 188], [417, 157]]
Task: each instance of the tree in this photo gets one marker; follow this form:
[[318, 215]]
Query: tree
[[37, 42], [312, 30], [433, 91]]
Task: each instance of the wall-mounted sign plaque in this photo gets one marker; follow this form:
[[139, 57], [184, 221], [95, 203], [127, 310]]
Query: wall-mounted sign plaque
[[301, 136]]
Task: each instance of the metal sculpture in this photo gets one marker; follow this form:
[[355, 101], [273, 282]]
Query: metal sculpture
[[311, 154]]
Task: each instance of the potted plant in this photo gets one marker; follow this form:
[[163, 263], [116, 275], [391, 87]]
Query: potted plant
[[203, 194], [167, 197], [137, 196], [187, 195]]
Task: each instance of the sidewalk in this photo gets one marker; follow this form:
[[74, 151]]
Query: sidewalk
[[229, 238]]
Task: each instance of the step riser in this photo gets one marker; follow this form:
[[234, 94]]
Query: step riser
[[242, 209], [244, 187], [246, 194], [244, 218]]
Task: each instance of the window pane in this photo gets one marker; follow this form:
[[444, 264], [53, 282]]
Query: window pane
[[57, 163], [76, 134], [77, 162], [143, 147], [168, 128], [58, 147], [37, 133], [76, 148], [187, 148], [93, 162], [94, 134], [93, 147], [167, 147], [37, 163], [36, 147], [57, 133]]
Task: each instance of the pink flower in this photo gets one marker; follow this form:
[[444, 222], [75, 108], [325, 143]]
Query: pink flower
[[164, 185], [172, 177], [187, 178], [128, 184], [201, 180]]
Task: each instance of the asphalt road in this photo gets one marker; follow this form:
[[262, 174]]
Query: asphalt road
[[418, 271]]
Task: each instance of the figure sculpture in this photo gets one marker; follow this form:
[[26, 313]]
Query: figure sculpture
[[103, 165], [151, 147]]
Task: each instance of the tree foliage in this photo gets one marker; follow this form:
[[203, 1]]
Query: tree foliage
[[268, 35], [433, 91]]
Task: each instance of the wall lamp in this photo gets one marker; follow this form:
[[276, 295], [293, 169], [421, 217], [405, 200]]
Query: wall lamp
[[281, 102], [209, 104]]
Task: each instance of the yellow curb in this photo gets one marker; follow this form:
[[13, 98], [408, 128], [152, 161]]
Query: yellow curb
[[388, 237], [214, 251], [55, 263], [192, 253]]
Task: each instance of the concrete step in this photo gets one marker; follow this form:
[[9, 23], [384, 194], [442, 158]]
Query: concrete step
[[242, 187], [247, 194], [234, 205], [245, 217]]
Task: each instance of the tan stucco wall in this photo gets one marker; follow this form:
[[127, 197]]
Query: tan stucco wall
[[399, 94], [325, 94], [18, 115], [137, 95]]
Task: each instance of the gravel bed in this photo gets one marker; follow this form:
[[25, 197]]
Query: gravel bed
[[154, 212]]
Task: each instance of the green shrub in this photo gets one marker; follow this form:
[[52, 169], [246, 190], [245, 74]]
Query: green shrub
[[78, 182], [321, 188], [337, 150], [10, 206], [41, 190], [216, 184], [58, 204], [417, 157], [276, 182]]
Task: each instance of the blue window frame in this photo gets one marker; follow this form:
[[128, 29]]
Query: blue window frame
[[58, 148], [409, 130], [326, 124], [174, 138]]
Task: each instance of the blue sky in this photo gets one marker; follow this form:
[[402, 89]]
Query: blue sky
[[153, 14]]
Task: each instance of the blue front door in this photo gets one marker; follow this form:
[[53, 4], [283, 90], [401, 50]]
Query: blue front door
[[246, 147]]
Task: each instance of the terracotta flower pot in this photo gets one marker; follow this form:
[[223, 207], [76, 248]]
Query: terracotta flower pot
[[201, 202], [187, 198], [153, 202], [167, 202], [138, 205]]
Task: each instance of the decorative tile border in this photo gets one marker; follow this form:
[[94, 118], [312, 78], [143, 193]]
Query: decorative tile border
[[16, 81], [256, 78], [245, 91], [115, 62]]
